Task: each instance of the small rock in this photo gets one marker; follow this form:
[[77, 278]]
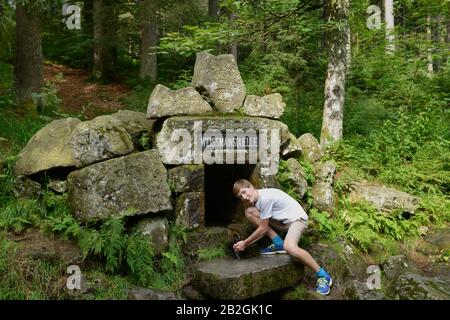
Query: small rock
[[312, 151], [138, 293], [58, 186], [190, 293], [359, 291], [423, 230], [292, 148], [323, 196], [165, 102], [270, 106], [25, 188], [137, 125], [156, 230], [324, 171]]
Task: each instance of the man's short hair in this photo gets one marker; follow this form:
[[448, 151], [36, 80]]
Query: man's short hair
[[241, 183]]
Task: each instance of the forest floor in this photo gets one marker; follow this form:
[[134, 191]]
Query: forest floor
[[81, 96]]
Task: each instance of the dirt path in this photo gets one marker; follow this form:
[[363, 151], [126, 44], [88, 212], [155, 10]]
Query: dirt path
[[79, 96]]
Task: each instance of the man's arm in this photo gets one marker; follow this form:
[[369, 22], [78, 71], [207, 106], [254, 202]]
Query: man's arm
[[255, 236]]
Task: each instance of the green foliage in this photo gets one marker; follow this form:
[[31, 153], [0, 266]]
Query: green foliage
[[193, 39], [18, 130], [27, 279], [298, 293], [324, 224], [109, 242], [141, 260], [47, 100], [20, 214], [206, 254], [138, 99], [284, 181]]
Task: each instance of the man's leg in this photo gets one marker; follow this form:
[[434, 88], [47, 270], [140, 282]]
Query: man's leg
[[291, 246], [253, 215]]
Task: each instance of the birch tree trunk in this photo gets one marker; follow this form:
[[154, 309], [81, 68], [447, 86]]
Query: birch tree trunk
[[149, 41], [429, 44], [389, 20], [348, 48], [333, 111], [28, 65]]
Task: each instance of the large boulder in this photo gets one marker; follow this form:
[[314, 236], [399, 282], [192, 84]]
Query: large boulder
[[129, 185], [292, 148], [324, 171], [398, 265], [25, 187], [165, 102], [227, 278], [384, 199], [156, 230], [261, 181], [99, 139], [137, 125], [190, 210], [49, 148], [323, 196], [187, 178], [218, 77], [312, 151], [411, 286], [184, 139], [270, 106], [358, 290]]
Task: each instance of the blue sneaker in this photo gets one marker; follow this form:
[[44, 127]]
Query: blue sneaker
[[324, 285], [272, 249]]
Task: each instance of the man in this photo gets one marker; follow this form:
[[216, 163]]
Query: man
[[269, 208]]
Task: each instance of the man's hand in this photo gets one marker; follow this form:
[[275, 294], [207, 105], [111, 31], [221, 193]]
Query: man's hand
[[239, 246]]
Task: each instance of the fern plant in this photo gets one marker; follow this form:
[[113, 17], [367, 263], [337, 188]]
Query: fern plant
[[109, 242]]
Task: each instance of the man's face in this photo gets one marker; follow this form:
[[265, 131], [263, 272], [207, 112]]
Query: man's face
[[248, 194]]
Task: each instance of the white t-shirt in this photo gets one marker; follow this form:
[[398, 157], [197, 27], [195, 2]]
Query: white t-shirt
[[278, 205]]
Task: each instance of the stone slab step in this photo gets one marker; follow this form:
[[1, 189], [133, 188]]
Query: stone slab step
[[228, 278]]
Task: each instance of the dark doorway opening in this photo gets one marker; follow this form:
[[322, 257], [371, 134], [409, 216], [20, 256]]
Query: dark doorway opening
[[220, 204]]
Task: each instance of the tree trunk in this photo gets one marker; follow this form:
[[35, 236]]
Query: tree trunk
[[213, 8], [389, 20], [430, 51], [233, 45], [448, 30], [348, 48], [149, 40], [333, 111], [88, 30], [438, 40], [105, 42], [28, 68]]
